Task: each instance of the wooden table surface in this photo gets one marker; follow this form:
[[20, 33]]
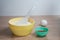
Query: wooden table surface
[[53, 25]]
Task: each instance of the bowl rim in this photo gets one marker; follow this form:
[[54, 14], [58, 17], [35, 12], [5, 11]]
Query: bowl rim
[[9, 22], [41, 27]]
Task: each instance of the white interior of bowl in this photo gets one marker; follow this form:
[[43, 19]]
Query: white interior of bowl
[[19, 23]]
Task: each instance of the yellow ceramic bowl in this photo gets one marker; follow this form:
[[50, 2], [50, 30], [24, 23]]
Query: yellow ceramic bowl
[[21, 30]]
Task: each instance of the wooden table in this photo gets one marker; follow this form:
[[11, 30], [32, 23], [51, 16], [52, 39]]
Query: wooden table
[[53, 25]]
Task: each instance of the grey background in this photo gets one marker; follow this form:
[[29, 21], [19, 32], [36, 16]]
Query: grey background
[[21, 7]]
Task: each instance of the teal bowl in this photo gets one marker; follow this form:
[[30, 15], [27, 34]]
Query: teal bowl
[[41, 31]]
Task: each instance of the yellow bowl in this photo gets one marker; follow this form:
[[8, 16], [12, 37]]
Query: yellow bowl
[[21, 30]]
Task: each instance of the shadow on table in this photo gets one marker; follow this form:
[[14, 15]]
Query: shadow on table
[[37, 36], [5, 33]]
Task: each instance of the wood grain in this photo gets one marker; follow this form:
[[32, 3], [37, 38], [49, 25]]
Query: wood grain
[[53, 25]]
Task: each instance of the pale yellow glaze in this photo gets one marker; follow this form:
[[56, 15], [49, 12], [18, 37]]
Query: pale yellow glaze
[[21, 30]]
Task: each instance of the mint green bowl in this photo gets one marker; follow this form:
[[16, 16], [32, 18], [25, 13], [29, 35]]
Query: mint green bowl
[[41, 34]]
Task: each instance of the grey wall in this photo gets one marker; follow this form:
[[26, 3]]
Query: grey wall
[[21, 7]]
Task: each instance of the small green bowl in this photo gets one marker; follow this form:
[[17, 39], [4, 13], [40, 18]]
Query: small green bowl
[[43, 33]]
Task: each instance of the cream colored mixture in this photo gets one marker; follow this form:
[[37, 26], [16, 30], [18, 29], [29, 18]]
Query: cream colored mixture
[[19, 23]]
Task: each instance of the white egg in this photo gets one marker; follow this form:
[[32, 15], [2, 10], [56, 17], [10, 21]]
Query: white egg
[[44, 22]]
